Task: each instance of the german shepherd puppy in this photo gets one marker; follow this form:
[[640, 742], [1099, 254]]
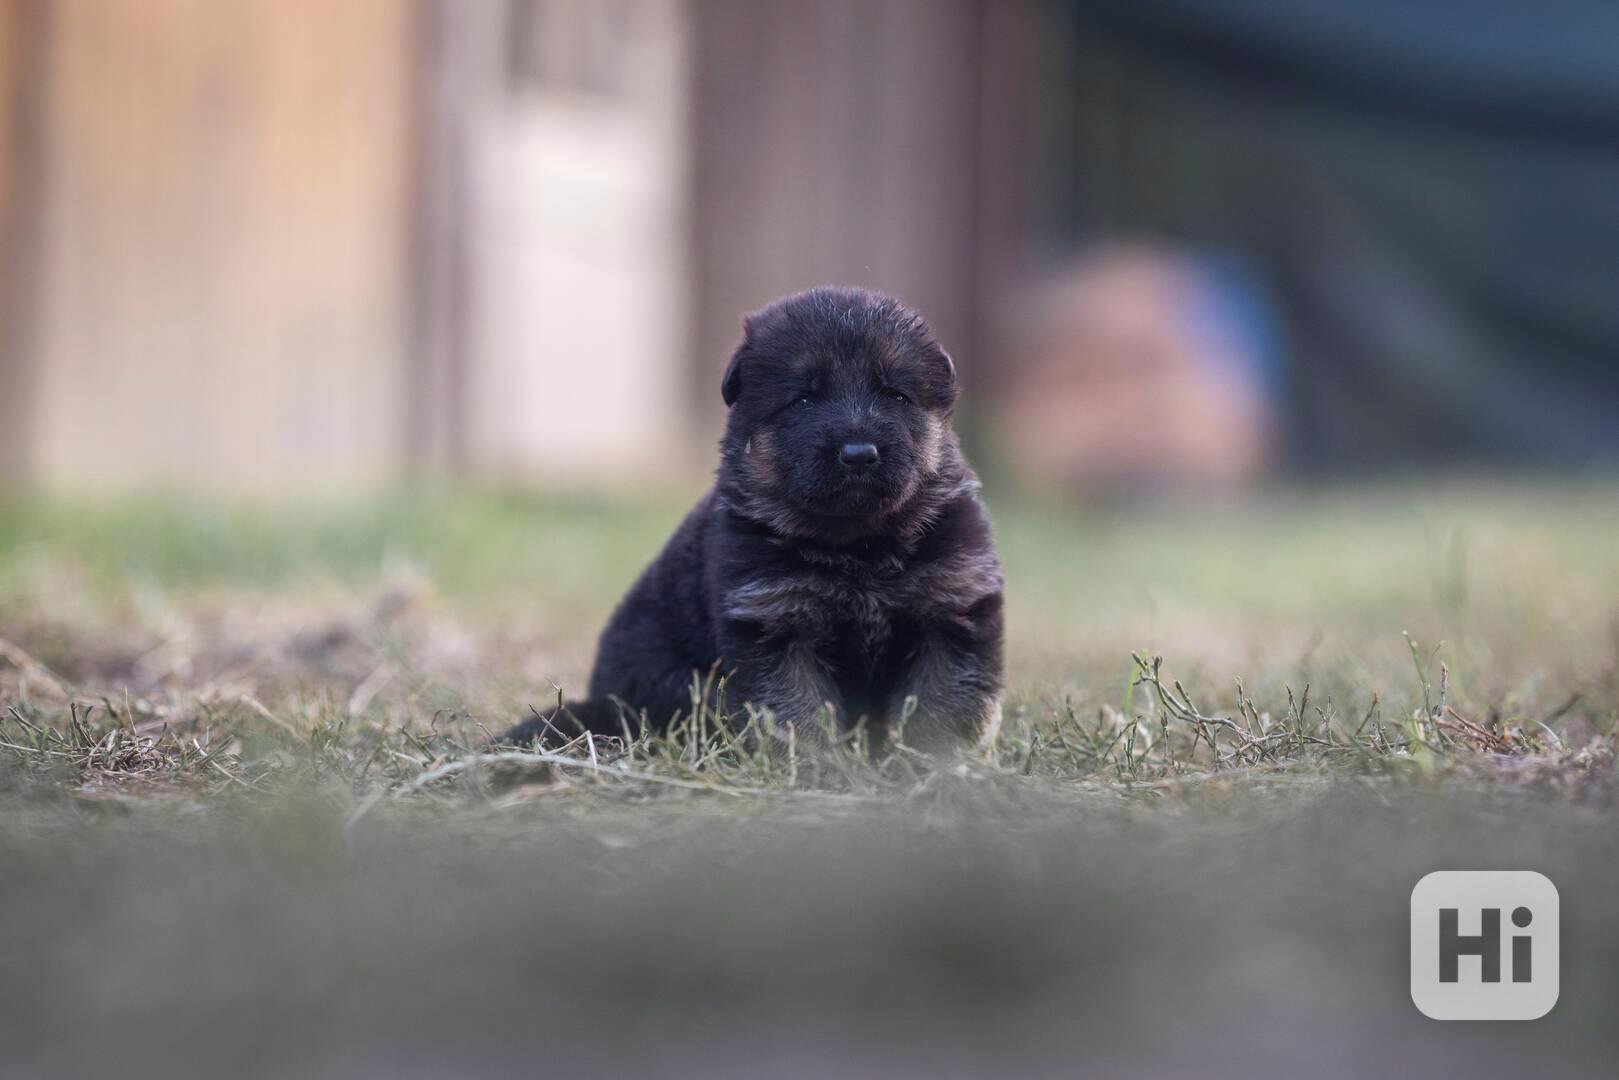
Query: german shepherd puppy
[[841, 568]]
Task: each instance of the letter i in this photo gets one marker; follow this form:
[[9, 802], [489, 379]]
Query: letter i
[[1522, 947]]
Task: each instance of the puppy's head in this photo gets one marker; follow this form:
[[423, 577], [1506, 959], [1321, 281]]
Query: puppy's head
[[840, 413]]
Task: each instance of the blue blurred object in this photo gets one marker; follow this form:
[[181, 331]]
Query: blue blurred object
[[1232, 308]]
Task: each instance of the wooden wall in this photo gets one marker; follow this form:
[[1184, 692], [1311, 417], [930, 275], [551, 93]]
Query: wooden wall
[[22, 24], [835, 142], [220, 277], [293, 243]]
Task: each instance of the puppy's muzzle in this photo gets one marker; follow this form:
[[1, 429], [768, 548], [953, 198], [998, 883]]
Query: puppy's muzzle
[[858, 455]]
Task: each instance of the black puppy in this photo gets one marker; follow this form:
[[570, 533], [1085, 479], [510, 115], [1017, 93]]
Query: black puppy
[[842, 562]]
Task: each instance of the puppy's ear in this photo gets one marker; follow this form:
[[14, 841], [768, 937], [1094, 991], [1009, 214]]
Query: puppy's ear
[[731, 384], [943, 377]]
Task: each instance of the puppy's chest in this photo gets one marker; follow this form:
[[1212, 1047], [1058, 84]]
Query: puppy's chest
[[853, 604], [862, 613]]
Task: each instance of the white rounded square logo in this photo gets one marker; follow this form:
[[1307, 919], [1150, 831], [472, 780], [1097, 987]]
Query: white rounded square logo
[[1484, 945]]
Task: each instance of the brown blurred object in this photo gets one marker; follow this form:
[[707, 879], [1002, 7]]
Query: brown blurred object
[[1119, 387]]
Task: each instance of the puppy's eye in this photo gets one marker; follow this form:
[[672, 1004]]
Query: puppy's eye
[[899, 396], [803, 401]]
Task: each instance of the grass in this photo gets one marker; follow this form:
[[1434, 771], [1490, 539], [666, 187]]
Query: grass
[[247, 801]]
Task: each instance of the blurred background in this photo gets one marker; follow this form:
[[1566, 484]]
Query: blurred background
[[1184, 244], [468, 272]]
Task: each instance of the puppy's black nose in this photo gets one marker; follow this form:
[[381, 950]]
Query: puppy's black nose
[[858, 455]]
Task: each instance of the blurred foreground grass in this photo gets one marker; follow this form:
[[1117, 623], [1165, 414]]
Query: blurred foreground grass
[[247, 824]]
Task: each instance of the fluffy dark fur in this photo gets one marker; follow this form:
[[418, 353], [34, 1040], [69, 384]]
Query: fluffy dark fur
[[813, 574]]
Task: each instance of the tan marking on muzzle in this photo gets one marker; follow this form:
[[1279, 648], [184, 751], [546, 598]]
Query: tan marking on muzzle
[[759, 457], [933, 445]]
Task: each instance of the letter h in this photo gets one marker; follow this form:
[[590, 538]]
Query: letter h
[[1486, 945]]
